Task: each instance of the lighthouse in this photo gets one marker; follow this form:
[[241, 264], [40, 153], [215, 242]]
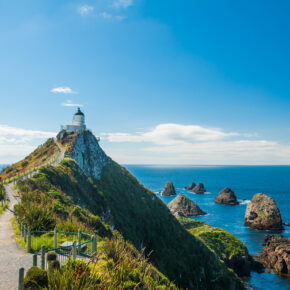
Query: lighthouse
[[78, 122]]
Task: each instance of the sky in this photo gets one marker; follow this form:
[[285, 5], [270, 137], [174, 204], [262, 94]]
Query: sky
[[161, 82]]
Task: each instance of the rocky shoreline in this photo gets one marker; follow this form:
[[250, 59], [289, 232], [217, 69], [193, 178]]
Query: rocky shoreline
[[276, 254]]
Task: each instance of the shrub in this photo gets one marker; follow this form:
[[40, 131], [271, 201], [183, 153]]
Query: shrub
[[51, 256], [37, 275]]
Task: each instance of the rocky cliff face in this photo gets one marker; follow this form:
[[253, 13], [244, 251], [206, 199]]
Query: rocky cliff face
[[183, 206], [226, 196], [89, 155], [276, 255], [262, 213]]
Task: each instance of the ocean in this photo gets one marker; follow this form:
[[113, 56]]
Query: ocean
[[245, 181]]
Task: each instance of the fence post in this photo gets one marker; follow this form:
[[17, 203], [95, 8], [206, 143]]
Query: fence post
[[28, 240], [79, 240], [34, 260], [22, 229], [74, 250], [55, 237], [94, 244], [21, 279], [25, 233], [42, 258]]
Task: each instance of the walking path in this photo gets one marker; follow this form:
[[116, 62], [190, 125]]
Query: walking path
[[12, 258]]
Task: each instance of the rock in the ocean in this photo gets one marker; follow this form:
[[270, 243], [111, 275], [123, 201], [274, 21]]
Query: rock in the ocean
[[190, 186], [276, 254], [226, 196], [199, 188], [262, 213], [183, 206], [168, 189]]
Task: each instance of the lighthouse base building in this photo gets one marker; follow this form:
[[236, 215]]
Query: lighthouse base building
[[78, 123]]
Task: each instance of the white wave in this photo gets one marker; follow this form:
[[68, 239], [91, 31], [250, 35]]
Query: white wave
[[244, 201]]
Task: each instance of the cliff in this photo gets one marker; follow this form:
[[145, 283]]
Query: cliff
[[88, 190]]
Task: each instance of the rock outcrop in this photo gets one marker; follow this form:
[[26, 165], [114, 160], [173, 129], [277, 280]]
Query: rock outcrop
[[183, 206], [199, 188], [89, 155], [190, 186], [262, 213], [168, 189], [226, 196], [276, 254]]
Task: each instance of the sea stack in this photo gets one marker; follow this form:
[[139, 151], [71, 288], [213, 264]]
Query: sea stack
[[262, 213], [276, 254], [183, 206], [199, 188], [191, 186], [168, 189], [226, 196]]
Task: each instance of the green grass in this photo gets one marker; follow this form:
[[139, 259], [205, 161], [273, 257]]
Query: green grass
[[223, 243], [3, 206], [17, 234], [39, 157]]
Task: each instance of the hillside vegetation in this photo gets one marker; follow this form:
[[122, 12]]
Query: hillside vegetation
[[39, 157], [65, 197]]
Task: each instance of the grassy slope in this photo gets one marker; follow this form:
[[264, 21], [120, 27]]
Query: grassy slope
[[145, 219], [224, 244], [52, 197], [38, 157]]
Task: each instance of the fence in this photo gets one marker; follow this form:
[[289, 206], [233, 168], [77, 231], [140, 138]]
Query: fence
[[82, 247]]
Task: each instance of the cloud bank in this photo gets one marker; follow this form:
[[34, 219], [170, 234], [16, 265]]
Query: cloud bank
[[15, 143], [195, 144]]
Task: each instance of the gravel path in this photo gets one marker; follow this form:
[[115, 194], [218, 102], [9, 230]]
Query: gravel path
[[12, 258]]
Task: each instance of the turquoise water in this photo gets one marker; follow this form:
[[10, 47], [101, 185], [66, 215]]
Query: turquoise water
[[245, 181]]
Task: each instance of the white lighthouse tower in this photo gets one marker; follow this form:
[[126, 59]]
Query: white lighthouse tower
[[78, 122]]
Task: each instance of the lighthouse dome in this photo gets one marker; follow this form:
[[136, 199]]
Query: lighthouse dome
[[79, 118]]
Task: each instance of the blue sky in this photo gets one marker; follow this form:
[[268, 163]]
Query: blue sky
[[170, 82]]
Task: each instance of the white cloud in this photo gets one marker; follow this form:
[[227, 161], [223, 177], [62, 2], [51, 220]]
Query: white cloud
[[15, 143], [62, 90], [69, 103], [85, 10], [105, 15], [122, 4], [194, 144], [172, 134]]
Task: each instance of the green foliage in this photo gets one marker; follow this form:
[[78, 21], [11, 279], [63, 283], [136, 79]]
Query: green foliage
[[51, 196], [2, 192], [118, 265], [3, 206], [37, 276], [51, 256], [223, 243]]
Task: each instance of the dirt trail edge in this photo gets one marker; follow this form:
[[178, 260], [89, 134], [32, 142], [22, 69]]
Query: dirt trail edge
[[12, 257]]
